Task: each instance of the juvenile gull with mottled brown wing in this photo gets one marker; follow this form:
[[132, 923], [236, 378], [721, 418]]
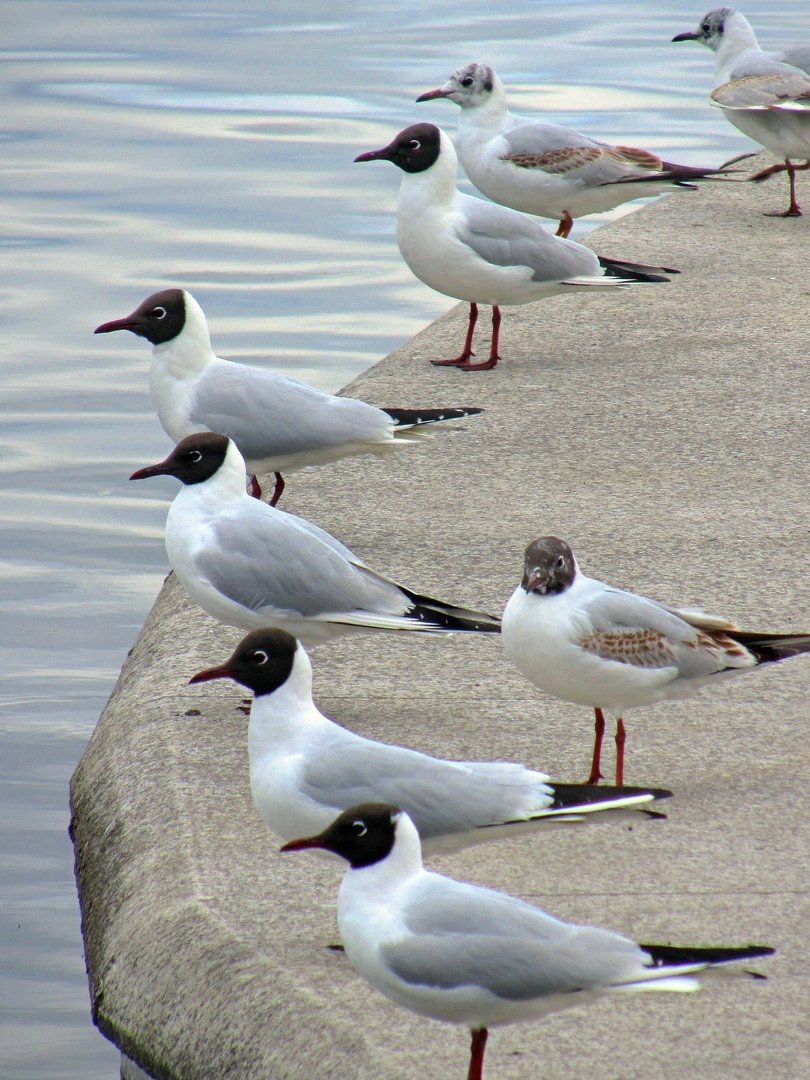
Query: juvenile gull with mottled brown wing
[[766, 99], [584, 641], [543, 168]]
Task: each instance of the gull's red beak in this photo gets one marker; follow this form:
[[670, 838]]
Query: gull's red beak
[[116, 324], [223, 672], [163, 468], [303, 844], [431, 95], [374, 155]]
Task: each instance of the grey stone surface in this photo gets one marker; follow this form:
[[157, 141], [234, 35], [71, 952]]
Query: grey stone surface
[[663, 433]]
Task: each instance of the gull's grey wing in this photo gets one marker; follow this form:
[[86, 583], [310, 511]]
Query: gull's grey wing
[[274, 560], [797, 56], [762, 91], [538, 139], [441, 797], [590, 162], [268, 415], [504, 238], [466, 936], [635, 630]]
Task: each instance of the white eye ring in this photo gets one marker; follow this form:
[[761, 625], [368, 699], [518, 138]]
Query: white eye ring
[[559, 562], [360, 827], [158, 312], [414, 144], [260, 656], [194, 455]]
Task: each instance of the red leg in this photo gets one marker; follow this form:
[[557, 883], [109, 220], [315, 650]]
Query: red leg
[[565, 226], [278, 489], [255, 488], [486, 365], [466, 352], [598, 733], [620, 738], [477, 1047], [793, 210]]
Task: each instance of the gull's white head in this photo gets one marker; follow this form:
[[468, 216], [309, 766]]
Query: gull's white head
[[470, 87], [723, 26]]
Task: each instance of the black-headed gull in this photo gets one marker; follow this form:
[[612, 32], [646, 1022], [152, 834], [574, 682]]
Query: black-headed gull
[[766, 99], [584, 641], [476, 251], [249, 564], [468, 955], [279, 424], [305, 769], [544, 168]]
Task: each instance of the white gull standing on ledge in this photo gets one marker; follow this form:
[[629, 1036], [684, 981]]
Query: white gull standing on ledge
[[767, 100], [584, 641], [279, 424], [473, 956], [305, 768], [544, 168], [476, 251], [249, 564]]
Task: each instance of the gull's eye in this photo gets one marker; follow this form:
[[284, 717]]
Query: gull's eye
[[559, 562], [467, 80], [260, 657], [414, 144], [194, 455], [706, 28], [359, 827], [158, 312]]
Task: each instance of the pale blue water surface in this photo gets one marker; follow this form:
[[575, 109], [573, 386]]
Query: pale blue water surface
[[210, 145]]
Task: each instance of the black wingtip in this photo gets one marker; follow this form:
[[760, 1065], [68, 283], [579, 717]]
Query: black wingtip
[[419, 417], [640, 272], [571, 795], [675, 955], [449, 617]]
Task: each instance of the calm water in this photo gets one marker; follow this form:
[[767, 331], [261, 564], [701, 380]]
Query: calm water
[[211, 145]]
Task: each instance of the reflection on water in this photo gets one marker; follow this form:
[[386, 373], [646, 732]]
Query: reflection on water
[[212, 147]]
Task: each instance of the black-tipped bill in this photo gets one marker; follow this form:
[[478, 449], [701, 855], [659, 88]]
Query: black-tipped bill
[[687, 35]]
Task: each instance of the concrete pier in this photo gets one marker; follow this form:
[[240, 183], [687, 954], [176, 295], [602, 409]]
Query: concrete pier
[[662, 431]]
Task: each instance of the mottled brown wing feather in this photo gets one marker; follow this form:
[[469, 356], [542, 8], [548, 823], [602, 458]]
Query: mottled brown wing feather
[[556, 161], [641, 648], [643, 158], [652, 649]]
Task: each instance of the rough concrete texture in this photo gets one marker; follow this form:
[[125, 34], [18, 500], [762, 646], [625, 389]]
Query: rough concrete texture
[[662, 432]]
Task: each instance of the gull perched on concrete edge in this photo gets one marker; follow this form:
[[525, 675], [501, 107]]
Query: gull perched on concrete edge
[[584, 641], [305, 768], [486, 254], [468, 955], [547, 169], [279, 424], [249, 564], [767, 100]]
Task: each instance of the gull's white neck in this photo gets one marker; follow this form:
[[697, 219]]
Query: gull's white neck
[[186, 355], [490, 115], [400, 866], [288, 713], [738, 39], [228, 486], [433, 189]]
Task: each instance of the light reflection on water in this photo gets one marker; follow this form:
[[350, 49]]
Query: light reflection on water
[[213, 148]]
